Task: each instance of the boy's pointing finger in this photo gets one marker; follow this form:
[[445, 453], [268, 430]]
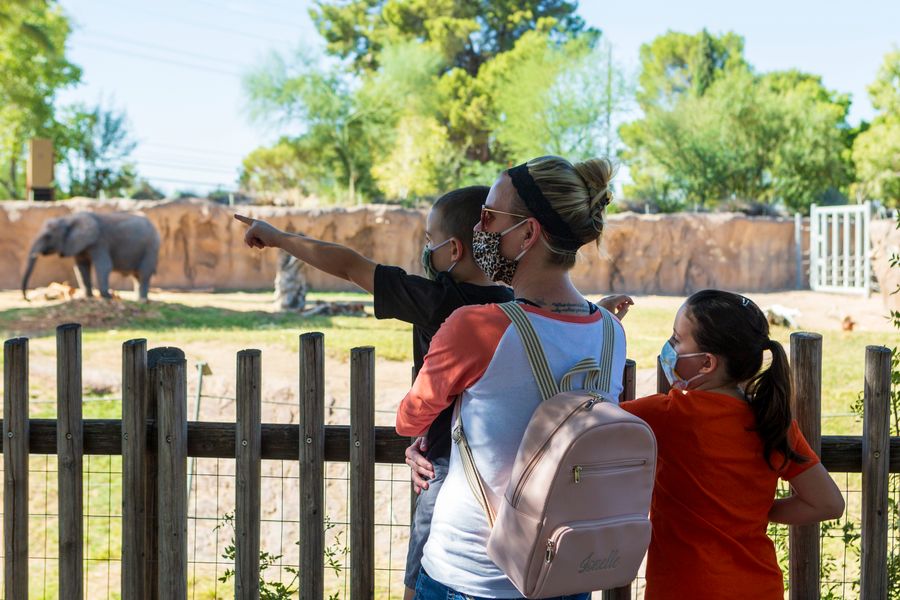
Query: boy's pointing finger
[[243, 219]]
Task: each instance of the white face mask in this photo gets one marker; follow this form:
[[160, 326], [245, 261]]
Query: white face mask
[[668, 358]]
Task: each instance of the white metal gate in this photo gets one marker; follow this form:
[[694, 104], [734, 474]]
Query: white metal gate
[[839, 254]]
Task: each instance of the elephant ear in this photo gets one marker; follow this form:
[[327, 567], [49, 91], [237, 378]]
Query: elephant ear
[[82, 232]]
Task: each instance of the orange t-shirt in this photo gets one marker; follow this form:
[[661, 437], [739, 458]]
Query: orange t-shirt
[[712, 498]]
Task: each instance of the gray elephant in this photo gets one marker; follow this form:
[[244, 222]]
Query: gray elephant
[[123, 242]]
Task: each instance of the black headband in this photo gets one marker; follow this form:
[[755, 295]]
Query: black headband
[[540, 207]]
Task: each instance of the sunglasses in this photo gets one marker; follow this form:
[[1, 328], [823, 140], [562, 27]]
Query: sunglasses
[[487, 215]]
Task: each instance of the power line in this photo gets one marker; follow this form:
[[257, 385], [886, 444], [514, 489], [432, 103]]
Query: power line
[[185, 181], [189, 148], [194, 161], [102, 36], [176, 63], [184, 167], [170, 19], [252, 14]]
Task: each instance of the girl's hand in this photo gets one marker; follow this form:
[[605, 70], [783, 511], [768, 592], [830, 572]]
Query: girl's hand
[[617, 304], [421, 468], [260, 234]]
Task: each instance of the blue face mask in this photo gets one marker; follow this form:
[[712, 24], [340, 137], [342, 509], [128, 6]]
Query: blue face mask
[[668, 359], [430, 271]]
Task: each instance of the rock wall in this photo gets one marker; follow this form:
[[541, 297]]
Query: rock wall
[[885, 239], [202, 247]]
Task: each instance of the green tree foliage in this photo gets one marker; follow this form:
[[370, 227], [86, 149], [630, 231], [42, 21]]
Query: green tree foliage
[[876, 151], [97, 147], [341, 122], [34, 68], [144, 190], [446, 93], [714, 131], [466, 33]]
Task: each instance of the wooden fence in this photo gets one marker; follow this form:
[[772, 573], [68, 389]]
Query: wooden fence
[[155, 440]]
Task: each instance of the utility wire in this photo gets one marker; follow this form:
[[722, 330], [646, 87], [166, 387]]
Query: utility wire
[[104, 37], [119, 51], [186, 167], [252, 14], [169, 19], [189, 148]]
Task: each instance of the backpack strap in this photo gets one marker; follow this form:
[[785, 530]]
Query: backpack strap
[[482, 492], [597, 375], [532, 343]]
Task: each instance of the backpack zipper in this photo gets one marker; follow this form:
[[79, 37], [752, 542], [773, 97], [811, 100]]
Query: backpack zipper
[[595, 398], [580, 470], [548, 557]]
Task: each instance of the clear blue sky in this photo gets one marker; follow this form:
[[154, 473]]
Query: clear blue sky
[[175, 66]]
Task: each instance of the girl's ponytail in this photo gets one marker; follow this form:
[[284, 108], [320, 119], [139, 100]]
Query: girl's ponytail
[[770, 394], [733, 327]]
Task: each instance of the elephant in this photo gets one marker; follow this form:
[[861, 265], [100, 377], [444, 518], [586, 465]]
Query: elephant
[[123, 242]]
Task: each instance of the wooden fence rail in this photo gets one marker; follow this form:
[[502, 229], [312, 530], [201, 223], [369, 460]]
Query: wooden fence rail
[[155, 440]]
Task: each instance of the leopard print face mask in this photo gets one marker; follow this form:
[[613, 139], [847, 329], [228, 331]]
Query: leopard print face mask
[[486, 252]]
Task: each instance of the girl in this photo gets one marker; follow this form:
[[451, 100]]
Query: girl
[[535, 218], [725, 436]]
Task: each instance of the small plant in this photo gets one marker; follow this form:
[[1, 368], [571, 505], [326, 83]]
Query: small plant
[[278, 590]]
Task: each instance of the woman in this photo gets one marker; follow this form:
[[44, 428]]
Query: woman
[[536, 217]]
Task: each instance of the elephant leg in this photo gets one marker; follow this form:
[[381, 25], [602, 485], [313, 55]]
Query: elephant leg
[[103, 266], [144, 273], [83, 275]]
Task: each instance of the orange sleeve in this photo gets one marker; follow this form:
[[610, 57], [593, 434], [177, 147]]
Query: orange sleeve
[[799, 444], [459, 354], [648, 408]]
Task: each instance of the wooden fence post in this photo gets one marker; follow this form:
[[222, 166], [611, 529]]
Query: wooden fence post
[[312, 466], [362, 473], [171, 442], [662, 384], [15, 468], [69, 449], [134, 454], [629, 383], [806, 373], [247, 448], [875, 465]]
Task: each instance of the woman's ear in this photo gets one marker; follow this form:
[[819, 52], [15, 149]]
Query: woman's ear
[[532, 233]]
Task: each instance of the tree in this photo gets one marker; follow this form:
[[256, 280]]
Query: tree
[[467, 33], [780, 138], [33, 35], [467, 36], [556, 99], [144, 190], [340, 125], [677, 64], [98, 145], [876, 151]]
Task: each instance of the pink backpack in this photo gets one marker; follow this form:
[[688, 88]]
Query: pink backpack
[[574, 515]]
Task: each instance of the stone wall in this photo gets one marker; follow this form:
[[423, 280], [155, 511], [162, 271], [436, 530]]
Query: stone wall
[[202, 247]]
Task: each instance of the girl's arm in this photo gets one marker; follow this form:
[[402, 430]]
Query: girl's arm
[[815, 498], [334, 259]]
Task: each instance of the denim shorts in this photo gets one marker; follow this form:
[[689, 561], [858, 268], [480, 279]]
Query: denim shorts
[[429, 589], [421, 522]]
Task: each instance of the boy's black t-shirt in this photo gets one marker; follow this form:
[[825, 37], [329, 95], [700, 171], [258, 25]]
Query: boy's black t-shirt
[[427, 304]]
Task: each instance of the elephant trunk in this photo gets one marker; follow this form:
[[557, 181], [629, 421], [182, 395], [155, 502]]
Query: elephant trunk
[[32, 257]]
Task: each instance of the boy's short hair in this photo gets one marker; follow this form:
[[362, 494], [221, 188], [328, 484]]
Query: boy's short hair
[[460, 211]]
